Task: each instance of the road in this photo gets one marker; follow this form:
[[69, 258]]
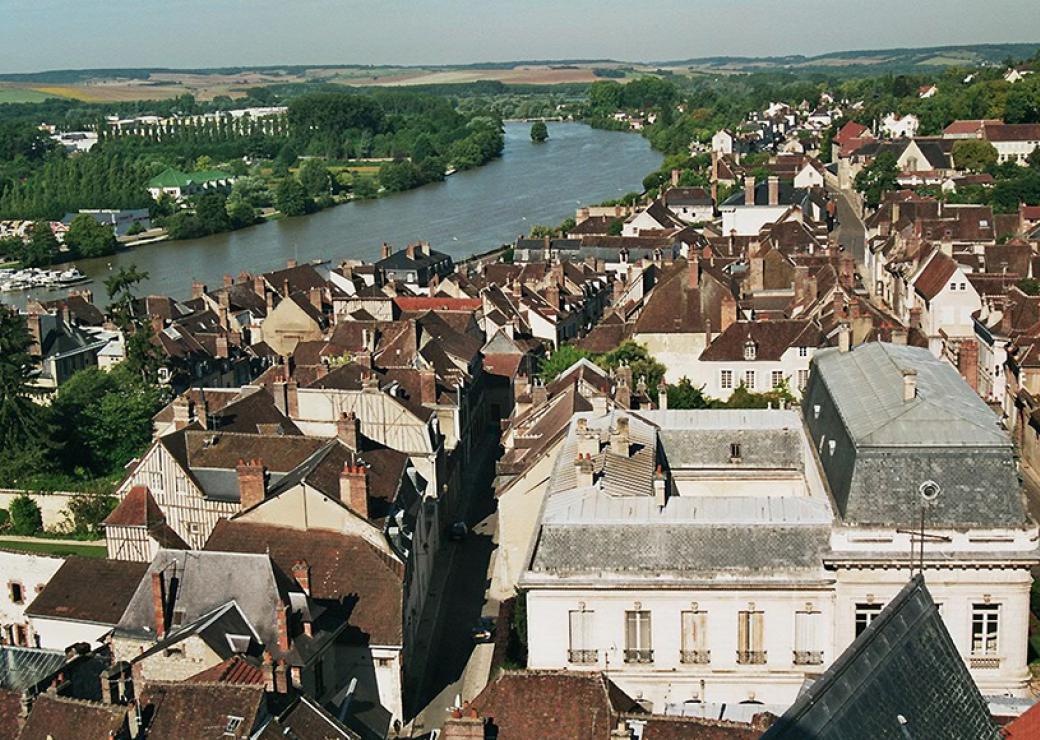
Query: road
[[850, 233], [462, 579]]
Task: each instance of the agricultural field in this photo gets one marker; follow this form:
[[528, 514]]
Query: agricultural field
[[24, 95]]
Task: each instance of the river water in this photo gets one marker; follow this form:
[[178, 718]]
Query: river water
[[470, 212]]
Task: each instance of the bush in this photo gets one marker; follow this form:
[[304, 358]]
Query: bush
[[26, 519], [86, 512], [5, 518]]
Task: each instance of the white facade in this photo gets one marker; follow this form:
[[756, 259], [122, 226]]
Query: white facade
[[58, 634], [808, 177], [900, 127], [720, 378], [1015, 151], [749, 220], [22, 576], [722, 142]]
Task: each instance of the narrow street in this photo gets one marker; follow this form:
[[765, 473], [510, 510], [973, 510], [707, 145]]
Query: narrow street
[[461, 581], [850, 232]]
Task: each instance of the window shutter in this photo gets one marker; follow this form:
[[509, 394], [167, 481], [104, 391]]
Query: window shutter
[[758, 624], [742, 631]]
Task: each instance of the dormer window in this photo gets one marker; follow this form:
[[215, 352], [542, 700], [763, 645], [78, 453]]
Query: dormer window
[[750, 351]]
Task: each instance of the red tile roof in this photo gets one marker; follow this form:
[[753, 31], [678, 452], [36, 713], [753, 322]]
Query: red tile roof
[[934, 276], [1012, 132], [54, 717], [234, 670], [963, 127], [1026, 726], [137, 509], [437, 303], [89, 590]]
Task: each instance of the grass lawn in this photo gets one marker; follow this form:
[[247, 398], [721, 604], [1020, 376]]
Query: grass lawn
[[55, 548], [22, 95]]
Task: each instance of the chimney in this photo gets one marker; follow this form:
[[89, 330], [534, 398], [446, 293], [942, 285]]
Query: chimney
[[676, 173], [463, 724], [157, 323], [252, 483], [222, 346], [282, 614], [729, 312], [385, 251], [229, 281], [410, 251], [427, 387], [899, 336], [660, 487], [757, 276], [583, 471], [197, 289], [915, 317], [909, 385], [270, 301], [619, 437], [347, 429], [301, 573], [181, 412], [693, 275], [290, 264], [292, 399], [539, 395], [259, 285], [588, 442], [353, 488], [895, 214], [316, 299], [707, 332], [270, 674], [552, 295], [968, 362], [662, 396], [844, 337], [774, 190], [159, 605], [623, 389], [749, 190]]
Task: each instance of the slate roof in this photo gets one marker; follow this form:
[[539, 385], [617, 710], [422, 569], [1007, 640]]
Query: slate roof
[[687, 197], [305, 720], [545, 705], [343, 568], [1011, 132], [902, 677], [788, 195], [771, 340], [86, 589]]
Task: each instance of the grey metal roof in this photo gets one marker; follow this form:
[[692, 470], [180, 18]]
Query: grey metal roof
[[867, 387], [902, 677], [682, 550]]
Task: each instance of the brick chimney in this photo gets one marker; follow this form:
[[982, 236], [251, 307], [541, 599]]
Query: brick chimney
[[229, 281], [182, 409], [539, 395], [749, 190], [552, 295], [348, 429], [968, 362], [222, 346], [774, 190], [757, 274], [197, 289], [301, 573], [729, 312], [252, 483], [353, 488], [292, 399], [282, 615], [316, 299], [159, 610], [290, 264], [676, 173], [385, 251], [693, 273], [285, 287], [410, 251], [427, 387], [260, 285], [463, 724]]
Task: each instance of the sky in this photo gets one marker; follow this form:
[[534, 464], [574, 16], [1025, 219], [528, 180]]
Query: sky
[[72, 34]]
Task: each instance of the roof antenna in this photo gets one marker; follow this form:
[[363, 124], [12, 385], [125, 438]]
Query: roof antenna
[[929, 493]]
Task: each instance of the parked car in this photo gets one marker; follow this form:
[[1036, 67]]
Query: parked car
[[458, 531], [484, 630]]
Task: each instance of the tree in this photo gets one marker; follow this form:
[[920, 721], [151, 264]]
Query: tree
[[878, 177], [1033, 160], [287, 156], [18, 413], [290, 198], [241, 214], [121, 289], [974, 154], [87, 237], [26, 519], [315, 178], [400, 176], [364, 188], [565, 356], [86, 512], [638, 359], [684, 395], [615, 227], [42, 247], [211, 212], [539, 132]]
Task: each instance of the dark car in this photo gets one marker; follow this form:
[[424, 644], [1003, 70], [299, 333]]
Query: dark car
[[458, 531], [484, 630]]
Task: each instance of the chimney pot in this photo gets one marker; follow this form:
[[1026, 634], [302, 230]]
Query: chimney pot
[[909, 385], [252, 483]]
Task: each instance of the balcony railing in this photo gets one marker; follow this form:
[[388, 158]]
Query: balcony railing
[[808, 657], [984, 662], [751, 657], [696, 656], [582, 657], [639, 656]]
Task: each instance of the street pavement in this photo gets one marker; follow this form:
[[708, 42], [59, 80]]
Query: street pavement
[[850, 232]]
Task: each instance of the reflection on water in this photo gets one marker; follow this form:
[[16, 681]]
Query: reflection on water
[[470, 212]]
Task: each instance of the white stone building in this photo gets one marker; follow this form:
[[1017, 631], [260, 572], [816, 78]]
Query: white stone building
[[724, 556], [25, 574]]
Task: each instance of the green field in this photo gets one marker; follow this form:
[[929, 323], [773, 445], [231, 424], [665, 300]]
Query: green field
[[55, 548], [22, 95]]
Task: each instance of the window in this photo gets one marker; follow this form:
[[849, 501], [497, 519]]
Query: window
[[803, 379], [806, 638], [985, 628], [749, 380], [17, 592], [803, 351], [776, 378], [750, 351], [581, 650], [637, 637], [750, 638], [695, 637], [734, 451], [233, 723], [865, 614], [726, 381]]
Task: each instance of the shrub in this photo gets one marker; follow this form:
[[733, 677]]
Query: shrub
[[86, 512], [26, 519]]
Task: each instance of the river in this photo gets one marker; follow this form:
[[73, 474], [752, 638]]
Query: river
[[470, 212]]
